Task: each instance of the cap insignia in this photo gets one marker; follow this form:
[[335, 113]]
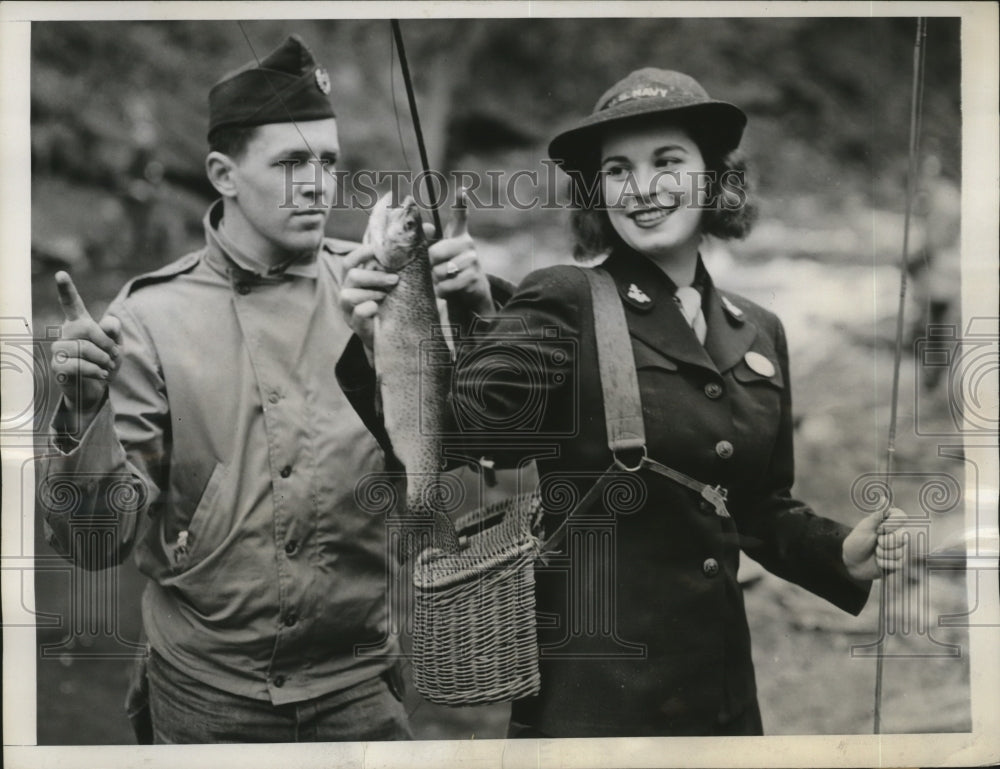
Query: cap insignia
[[643, 92], [322, 80]]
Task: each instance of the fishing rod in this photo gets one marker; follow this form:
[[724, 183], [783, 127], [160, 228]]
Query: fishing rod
[[411, 98], [916, 110]]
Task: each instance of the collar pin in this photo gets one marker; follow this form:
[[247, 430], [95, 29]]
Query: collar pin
[[735, 311], [637, 294]]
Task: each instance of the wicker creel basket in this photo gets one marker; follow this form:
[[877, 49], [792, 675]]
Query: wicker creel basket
[[474, 638]]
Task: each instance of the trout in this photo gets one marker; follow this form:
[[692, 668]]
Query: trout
[[412, 370]]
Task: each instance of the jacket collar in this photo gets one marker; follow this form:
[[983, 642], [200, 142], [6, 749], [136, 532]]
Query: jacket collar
[[655, 318], [228, 258]]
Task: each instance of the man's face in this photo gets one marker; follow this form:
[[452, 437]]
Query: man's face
[[284, 187]]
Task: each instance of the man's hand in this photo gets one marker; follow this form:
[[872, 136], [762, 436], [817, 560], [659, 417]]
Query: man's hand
[[873, 548], [455, 267], [87, 356], [364, 288]]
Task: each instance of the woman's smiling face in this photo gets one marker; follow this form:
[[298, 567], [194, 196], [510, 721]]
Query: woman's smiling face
[[652, 176]]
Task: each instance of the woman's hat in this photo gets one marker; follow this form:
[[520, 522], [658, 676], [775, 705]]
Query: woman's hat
[[650, 91]]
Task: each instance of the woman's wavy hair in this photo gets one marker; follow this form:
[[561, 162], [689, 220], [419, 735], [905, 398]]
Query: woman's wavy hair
[[729, 213]]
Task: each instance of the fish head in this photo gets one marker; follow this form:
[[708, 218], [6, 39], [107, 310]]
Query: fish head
[[395, 232]]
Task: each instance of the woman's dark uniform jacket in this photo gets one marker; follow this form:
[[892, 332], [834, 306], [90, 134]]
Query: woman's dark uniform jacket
[[667, 652]]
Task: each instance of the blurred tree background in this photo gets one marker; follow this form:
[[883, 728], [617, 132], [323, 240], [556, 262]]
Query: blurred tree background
[[118, 123], [119, 111]]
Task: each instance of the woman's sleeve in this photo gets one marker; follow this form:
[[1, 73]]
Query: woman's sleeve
[[515, 384], [785, 535]]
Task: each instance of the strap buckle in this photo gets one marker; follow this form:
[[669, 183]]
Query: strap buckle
[[630, 468], [716, 496]]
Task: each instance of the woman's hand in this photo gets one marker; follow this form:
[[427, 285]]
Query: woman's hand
[[873, 548], [458, 275]]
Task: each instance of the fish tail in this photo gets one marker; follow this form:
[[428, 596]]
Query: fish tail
[[427, 525]]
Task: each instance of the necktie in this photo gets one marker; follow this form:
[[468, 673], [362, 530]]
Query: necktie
[[690, 304]]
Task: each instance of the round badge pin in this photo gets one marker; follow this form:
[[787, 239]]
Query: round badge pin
[[759, 364], [322, 80]]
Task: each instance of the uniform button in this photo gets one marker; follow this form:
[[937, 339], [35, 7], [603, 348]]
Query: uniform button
[[243, 288], [279, 680], [291, 546], [724, 449], [291, 618], [710, 567], [713, 390], [286, 471], [273, 398]]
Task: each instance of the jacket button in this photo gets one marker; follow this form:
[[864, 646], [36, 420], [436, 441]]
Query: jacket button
[[291, 618], [713, 390], [243, 288], [291, 546], [724, 449], [279, 680], [286, 471], [273, 398], [710, 567]]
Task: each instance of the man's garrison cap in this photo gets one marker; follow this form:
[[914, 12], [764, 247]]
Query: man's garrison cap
[[286, 86]]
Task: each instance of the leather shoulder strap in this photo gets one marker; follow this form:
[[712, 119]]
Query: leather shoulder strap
[[619, 382], [620, 389]]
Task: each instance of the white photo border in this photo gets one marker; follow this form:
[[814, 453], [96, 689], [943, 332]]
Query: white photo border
[[980, 247]]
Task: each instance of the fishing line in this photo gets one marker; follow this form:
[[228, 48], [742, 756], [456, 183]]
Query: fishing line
[[411, 98], [395, 107], [283, 103], [246, 37], [925, 250], [916, 107]]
